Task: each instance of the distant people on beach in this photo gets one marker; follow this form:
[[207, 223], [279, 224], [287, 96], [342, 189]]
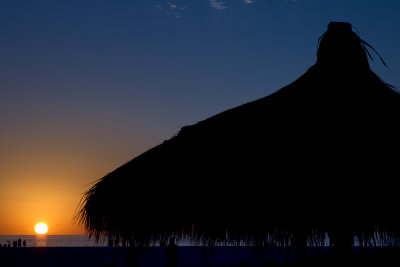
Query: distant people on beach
[[15, 244]]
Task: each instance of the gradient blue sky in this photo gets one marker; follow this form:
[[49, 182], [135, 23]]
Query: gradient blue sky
[[88, 85]]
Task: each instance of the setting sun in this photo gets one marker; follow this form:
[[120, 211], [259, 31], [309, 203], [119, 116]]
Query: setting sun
[[41, 228]]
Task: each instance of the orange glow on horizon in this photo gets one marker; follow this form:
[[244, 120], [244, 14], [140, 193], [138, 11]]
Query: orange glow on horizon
[[43, 180]]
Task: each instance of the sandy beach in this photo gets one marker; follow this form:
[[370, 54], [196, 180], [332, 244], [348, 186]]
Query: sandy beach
[[52, 256], [188, 256]]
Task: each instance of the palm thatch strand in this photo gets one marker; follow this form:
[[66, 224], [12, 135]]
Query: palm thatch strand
[[317, 158]]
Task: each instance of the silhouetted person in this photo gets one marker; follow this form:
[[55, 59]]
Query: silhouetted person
[[172, 253], [299, 243], [162, 243], [19, 242], [15, 243], [131, 256], [24, 243]]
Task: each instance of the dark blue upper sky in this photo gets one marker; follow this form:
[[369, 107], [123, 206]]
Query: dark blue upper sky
[[88, 85]]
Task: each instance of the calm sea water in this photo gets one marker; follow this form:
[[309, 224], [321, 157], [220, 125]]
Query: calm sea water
[[52, 240]]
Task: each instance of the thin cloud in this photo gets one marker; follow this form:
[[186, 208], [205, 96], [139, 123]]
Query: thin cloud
[[172, 9], [219, 5], [247, 2]]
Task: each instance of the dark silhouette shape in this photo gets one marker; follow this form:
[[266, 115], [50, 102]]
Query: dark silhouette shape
[[109, 256], [132, 257], [318, 156], [172, 253], [24, 243], [19, 242]]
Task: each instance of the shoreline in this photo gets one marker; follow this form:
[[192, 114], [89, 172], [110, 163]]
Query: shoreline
[[191, 256]]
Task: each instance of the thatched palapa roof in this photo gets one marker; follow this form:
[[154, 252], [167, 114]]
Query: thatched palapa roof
[[320, 154]]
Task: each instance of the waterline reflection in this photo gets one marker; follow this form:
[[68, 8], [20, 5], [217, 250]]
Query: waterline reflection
[[41, 240]]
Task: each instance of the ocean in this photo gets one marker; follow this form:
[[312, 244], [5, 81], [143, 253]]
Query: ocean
[[52, 240]]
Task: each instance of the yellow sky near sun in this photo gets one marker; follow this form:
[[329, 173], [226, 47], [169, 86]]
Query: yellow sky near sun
[[39, 199], [45, 184]]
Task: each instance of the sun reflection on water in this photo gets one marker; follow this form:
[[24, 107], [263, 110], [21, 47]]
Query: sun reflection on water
[[41, 240]]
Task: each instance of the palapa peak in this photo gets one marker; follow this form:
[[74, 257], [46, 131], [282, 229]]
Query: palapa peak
[[341, 49]]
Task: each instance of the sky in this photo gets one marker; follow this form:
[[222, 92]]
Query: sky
[[86, 86]]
